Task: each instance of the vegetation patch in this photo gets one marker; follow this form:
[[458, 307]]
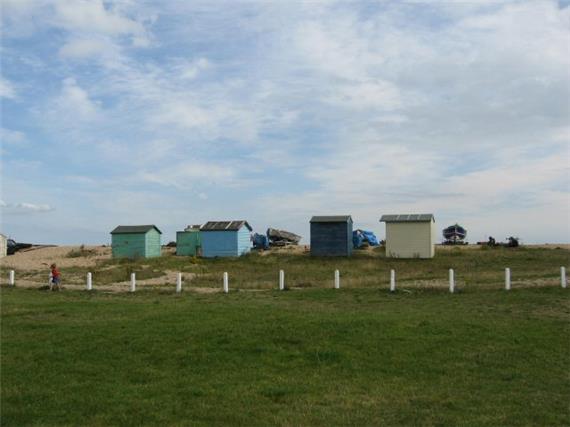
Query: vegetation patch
[[81, 252]]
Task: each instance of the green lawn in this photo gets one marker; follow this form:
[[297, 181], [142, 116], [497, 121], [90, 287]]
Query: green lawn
[[482, 357]]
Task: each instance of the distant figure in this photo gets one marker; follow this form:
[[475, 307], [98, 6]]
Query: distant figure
[[492, 241], [55, 278], [513, 242]]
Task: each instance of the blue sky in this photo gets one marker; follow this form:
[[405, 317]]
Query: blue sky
[[178, 112]]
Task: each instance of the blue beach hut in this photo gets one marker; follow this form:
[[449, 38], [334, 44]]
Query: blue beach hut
[[225, 238]]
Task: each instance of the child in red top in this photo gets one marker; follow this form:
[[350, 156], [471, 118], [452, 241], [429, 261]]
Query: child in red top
[[55, 277]]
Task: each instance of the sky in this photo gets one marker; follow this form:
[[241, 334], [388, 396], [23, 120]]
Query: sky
[[176, 112]]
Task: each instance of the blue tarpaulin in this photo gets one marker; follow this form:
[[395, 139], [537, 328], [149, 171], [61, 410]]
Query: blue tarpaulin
[[260, 241], [360, 237]]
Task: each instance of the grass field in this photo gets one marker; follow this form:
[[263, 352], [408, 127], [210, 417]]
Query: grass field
[[483, 357], [308, 356]]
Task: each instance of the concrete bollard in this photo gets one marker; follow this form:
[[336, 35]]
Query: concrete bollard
[[336, 279], [281, 280], [179, 283], [133, 282], [12, 278], [392, 281], [226, 283], [451, 281], [563, 277], [89, 285], [507, 279]]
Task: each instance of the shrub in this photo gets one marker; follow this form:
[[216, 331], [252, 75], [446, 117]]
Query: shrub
[[81, 252]]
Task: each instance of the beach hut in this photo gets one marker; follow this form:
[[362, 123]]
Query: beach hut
[[331, 235], [225, 238], [410, 235], [136, 241], [3, 246], [188, 241]]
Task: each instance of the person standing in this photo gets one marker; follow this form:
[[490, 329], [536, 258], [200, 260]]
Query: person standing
[[55, 280]]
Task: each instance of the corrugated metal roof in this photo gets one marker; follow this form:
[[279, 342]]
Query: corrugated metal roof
[[408, 218], [333, 218], [124, 229], [225, 225]]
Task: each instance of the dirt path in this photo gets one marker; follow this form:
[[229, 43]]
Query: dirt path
[[29, 260]]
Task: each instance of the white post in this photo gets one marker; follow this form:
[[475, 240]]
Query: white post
[[392, 281], [179, 283], [336, 279], [89, 286], [133, 282], [11, 279], [507, 279], [226, 284], [563, 277], [281, 280], [451, 281]]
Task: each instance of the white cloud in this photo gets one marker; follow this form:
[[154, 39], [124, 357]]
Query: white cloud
[[515, 181], [92, 15], [18, 7], [7, 89], [74, 101], [190, 70], [17, 17], [336, 47], [189, 175], [72, 116], [82, 20], [374, 94], [182, 114], [172, 103], [561, 134], [12, 137], [374, 169], [24, 207], [88, 48]]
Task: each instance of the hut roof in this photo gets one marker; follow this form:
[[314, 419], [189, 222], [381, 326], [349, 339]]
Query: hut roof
[[124, 229], [225, 225], [407, 218], [334, 218]]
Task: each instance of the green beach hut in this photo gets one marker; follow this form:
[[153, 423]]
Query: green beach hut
[[136, 241], [188, 241]]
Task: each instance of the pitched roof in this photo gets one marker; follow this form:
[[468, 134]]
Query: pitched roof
[[333, 218], [225, 225], [408, 218], [124, 229]]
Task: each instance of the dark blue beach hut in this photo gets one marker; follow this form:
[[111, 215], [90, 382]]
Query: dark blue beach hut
[[331, 235]]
